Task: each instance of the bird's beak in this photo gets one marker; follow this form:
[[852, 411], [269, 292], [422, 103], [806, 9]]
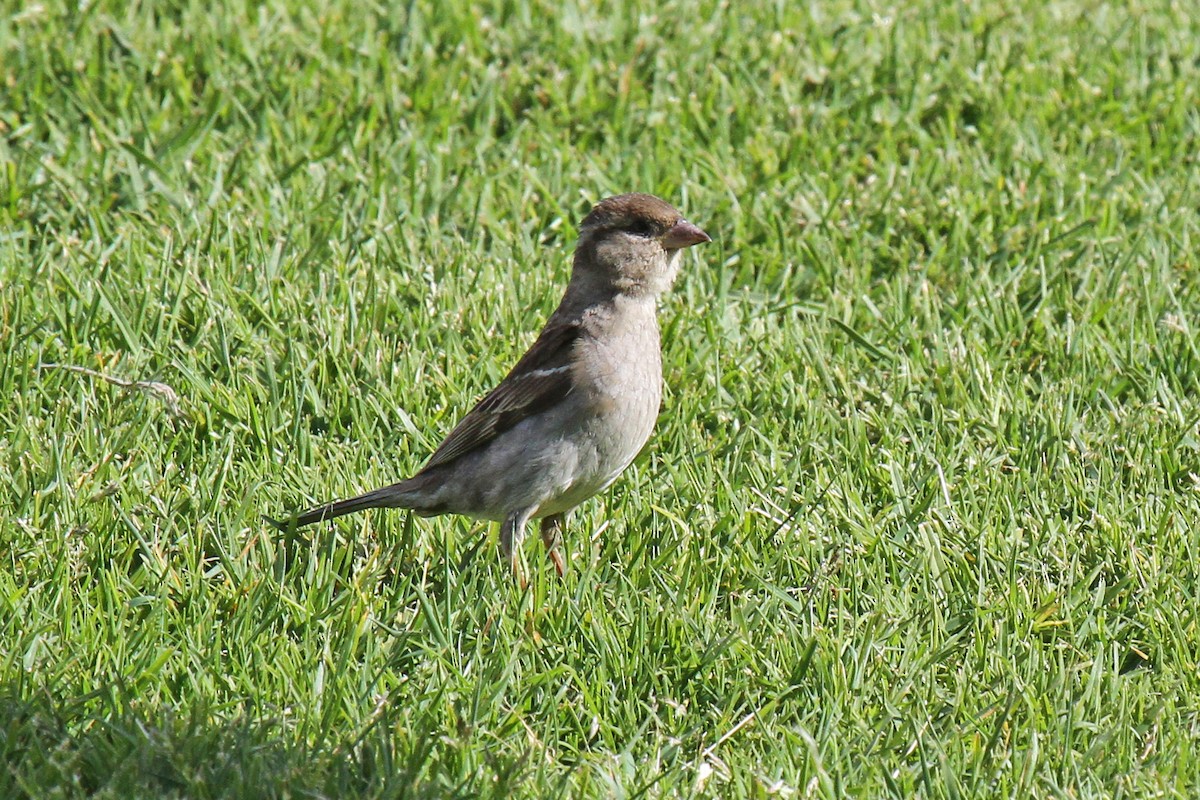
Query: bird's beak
[[684, 234]]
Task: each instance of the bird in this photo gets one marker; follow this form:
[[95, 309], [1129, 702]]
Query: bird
[[577, 407]]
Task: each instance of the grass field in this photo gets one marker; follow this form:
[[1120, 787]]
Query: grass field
[[920, 515]]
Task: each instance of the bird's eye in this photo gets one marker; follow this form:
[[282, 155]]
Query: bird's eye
[[641, 228]]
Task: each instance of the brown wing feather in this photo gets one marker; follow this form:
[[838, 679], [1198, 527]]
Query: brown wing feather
[[541, 378]]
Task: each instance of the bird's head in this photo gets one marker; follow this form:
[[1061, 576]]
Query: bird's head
[[632, 243]]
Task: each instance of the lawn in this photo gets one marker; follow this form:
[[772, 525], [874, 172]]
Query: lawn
[[920, 516]]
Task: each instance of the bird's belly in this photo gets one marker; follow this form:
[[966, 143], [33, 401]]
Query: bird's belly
[[613, 435]]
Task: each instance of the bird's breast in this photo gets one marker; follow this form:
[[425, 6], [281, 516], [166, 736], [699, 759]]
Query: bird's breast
[[622, 376], [623, 392]]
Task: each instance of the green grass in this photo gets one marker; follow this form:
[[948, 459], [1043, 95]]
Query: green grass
[[920, 515]]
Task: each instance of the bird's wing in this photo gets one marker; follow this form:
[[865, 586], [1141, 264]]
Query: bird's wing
[[539, 380]]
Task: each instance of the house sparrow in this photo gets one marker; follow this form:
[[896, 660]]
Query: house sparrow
[[576, 408]]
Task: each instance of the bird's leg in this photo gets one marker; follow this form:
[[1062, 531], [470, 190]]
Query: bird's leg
[[552, 537], [512, 531]]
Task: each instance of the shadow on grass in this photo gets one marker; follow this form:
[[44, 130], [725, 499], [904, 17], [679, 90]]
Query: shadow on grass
[[50, 750]]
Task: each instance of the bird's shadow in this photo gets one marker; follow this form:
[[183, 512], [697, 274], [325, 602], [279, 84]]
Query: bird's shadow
[[109, 741], [52, 742]]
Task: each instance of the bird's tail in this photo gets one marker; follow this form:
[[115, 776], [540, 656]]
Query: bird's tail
[[398, 495]]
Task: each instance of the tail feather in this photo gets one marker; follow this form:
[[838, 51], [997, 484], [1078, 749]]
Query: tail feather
[[398, 495]]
